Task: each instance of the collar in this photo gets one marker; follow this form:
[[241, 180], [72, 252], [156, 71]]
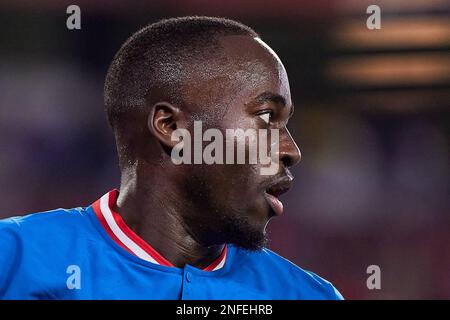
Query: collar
[[126, 238]]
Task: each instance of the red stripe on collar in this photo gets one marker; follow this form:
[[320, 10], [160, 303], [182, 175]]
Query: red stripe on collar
[[126, 238]]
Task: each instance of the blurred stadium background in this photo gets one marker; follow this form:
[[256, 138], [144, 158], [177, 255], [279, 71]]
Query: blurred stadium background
[[372, 121]]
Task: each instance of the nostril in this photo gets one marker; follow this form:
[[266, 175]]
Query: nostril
[[287, 161], [291, 154], [291, 158]]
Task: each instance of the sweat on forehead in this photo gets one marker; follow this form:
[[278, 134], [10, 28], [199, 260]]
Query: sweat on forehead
[[244, 68]]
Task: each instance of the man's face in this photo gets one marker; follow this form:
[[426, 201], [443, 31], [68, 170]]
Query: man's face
[[235, 201]]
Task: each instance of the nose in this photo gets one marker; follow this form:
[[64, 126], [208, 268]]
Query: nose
[[290, 154]]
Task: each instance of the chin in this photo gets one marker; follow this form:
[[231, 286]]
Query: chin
[[246, 231]]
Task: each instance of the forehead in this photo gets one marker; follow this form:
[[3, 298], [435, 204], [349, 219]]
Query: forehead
[[244, 48], [255, 65], [245, 68]]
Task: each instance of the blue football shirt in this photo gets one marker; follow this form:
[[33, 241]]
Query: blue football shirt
[[90, 253]]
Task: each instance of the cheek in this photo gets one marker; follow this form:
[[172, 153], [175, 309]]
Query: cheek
[[237, 118], [241, 186]]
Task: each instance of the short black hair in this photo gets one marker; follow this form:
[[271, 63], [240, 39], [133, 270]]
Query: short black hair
[[156, 55]]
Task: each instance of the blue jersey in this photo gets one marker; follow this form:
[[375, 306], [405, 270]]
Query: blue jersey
[[90, 253]]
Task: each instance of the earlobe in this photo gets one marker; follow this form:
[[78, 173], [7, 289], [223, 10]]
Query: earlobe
[[163, 120]]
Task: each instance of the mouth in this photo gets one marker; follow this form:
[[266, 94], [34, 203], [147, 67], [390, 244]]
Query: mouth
[[275, 190]]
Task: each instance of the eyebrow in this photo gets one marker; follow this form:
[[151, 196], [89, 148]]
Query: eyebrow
[[268, 96]]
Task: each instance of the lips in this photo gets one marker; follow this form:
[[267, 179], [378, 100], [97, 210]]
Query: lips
[[276, 189]]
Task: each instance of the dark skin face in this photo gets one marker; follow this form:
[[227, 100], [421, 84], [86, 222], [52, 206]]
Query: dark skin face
[[188, 212]]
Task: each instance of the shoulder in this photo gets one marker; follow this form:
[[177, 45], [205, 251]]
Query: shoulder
[[41, 225], [50, 218], [34, 244], [279, 271]]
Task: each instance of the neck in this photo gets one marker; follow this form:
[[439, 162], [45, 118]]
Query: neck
[[155, 212]]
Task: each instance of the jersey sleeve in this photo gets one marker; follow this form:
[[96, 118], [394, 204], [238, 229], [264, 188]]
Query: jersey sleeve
[[10, 249], [331, 292], [335, 294]]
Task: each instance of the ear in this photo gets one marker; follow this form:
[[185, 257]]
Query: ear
[[163, 120]]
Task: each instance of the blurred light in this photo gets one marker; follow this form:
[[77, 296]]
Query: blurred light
[[399, 33], [397, 101], [391, 6], [391, 69]]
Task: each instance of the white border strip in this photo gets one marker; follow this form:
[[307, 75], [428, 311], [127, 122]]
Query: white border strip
[[130, 244], [221, 264]]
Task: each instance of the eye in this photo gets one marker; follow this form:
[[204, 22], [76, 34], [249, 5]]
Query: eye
[[265, 116]]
